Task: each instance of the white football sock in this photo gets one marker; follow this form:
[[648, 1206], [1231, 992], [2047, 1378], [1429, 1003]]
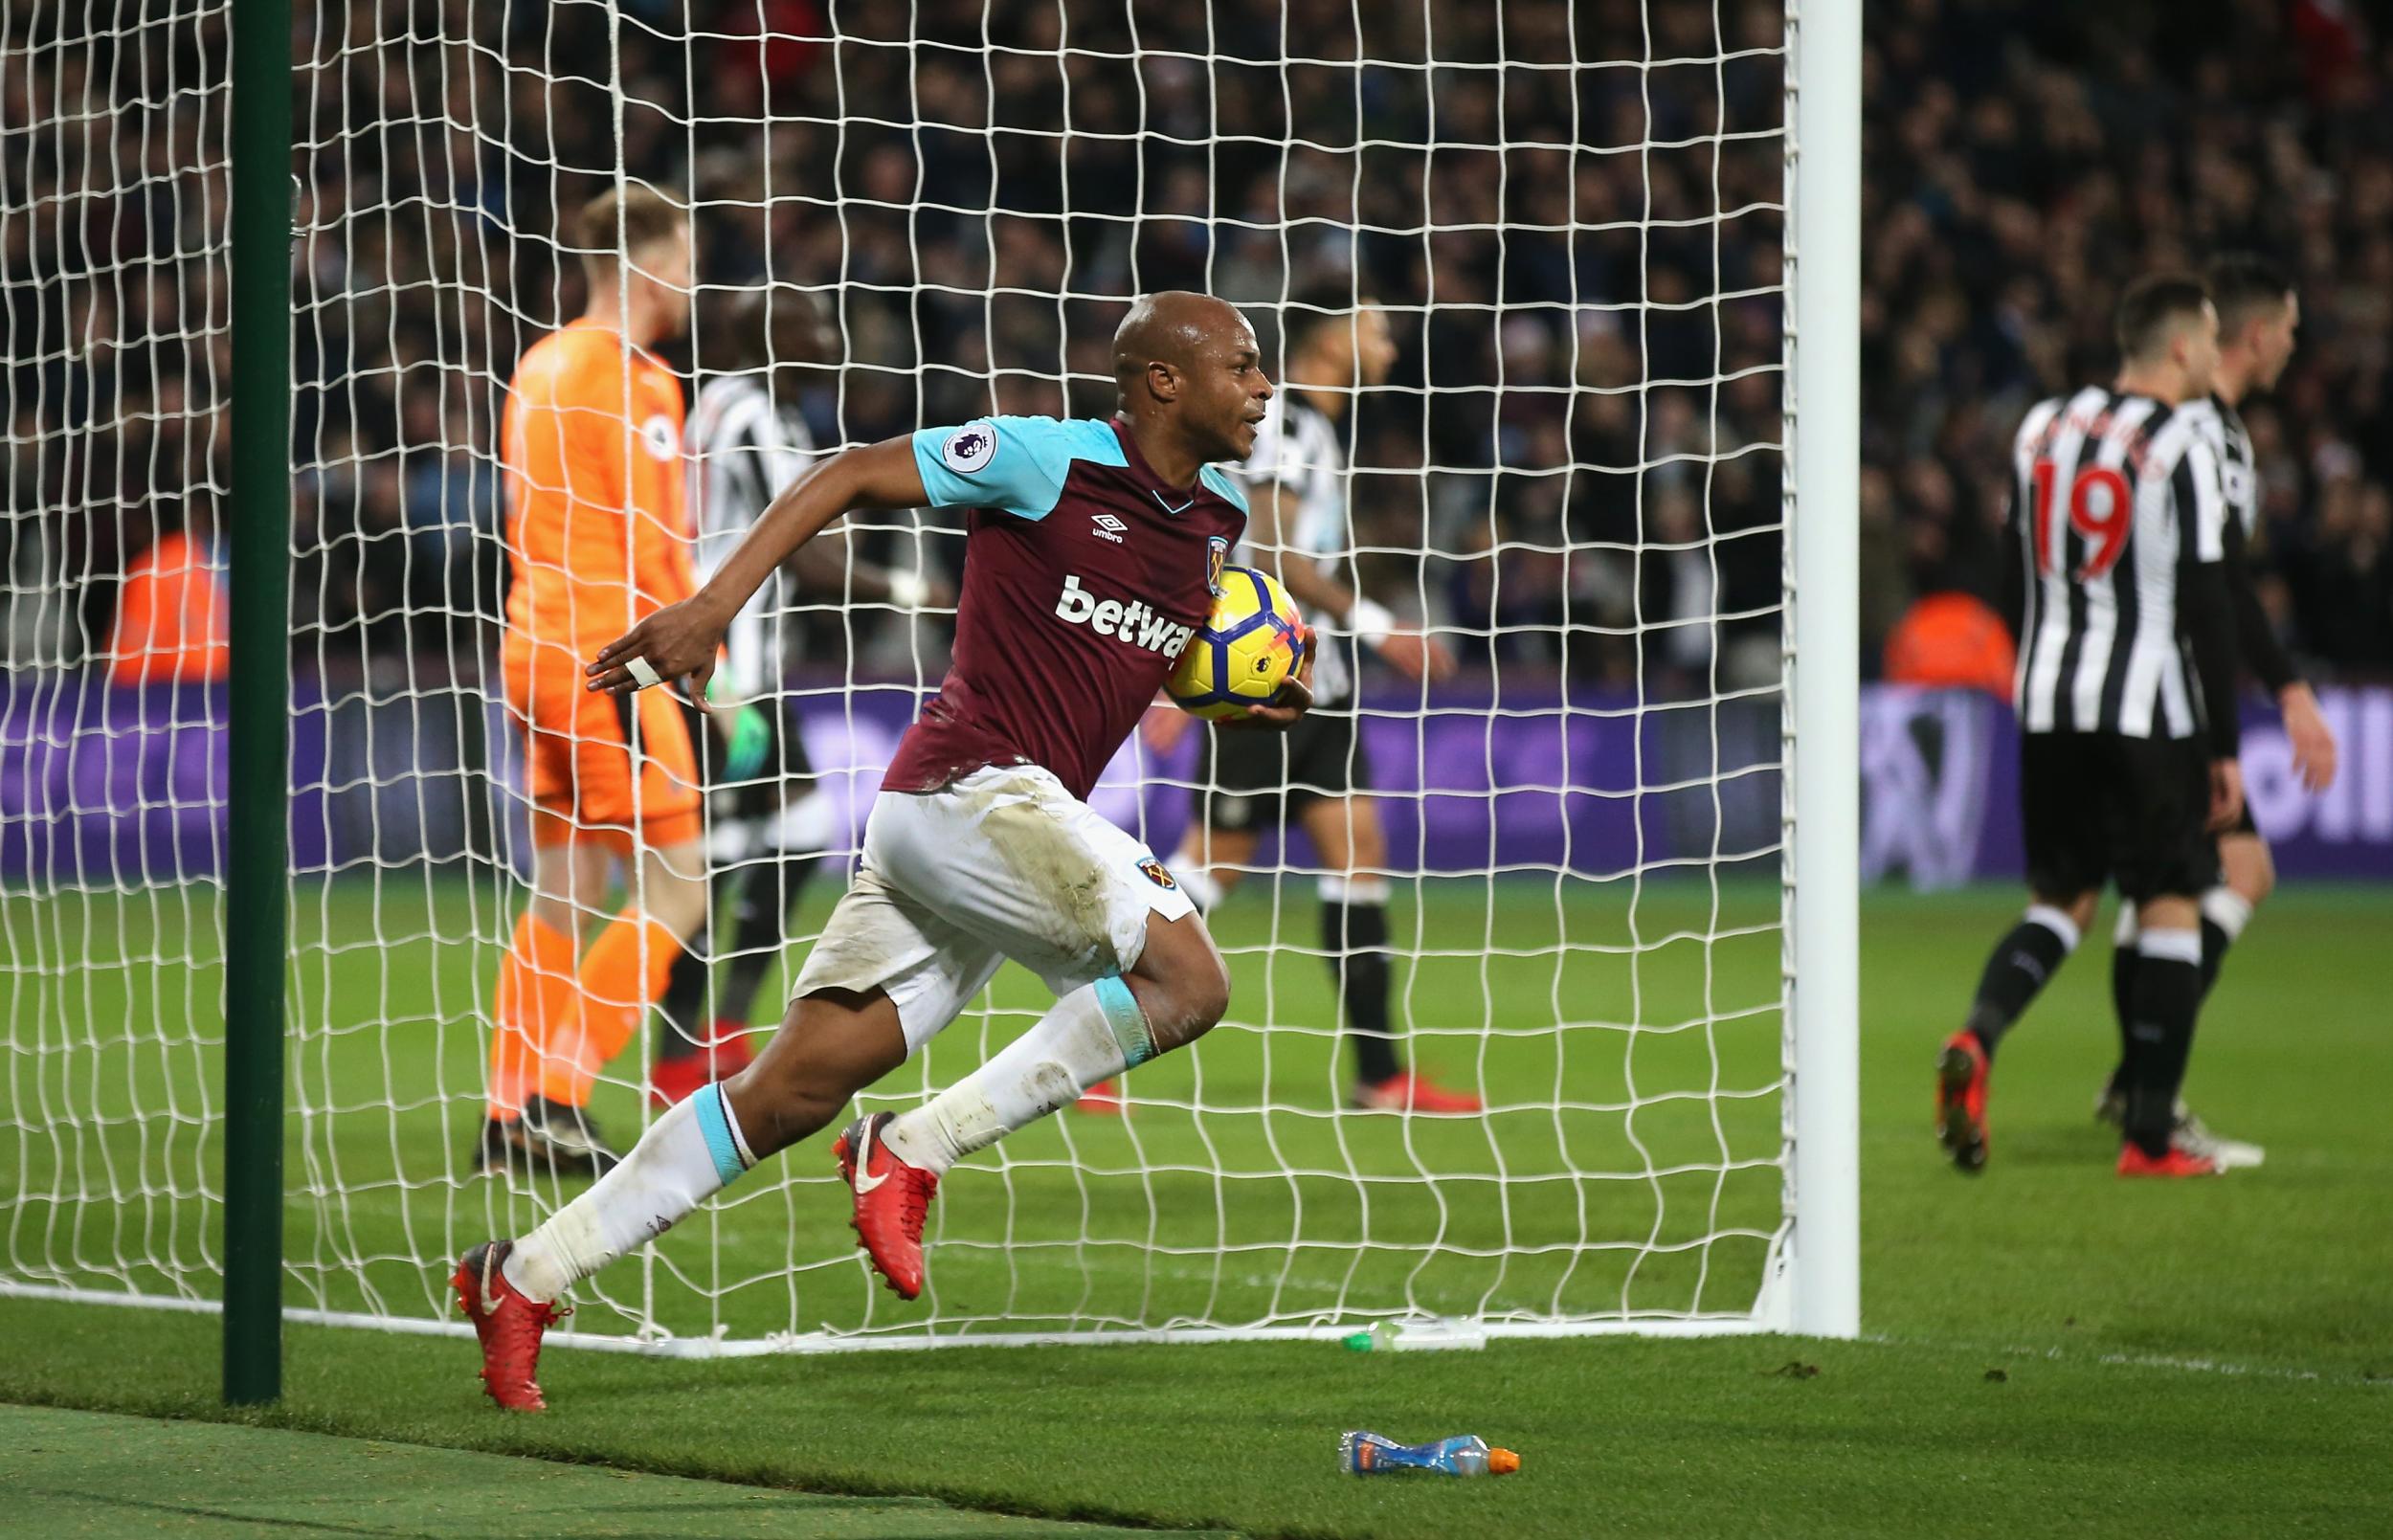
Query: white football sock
[[1199, 885], [1335, 888], [2228, 910], [686, 1158], [801, 828], [1093, 1033], [2056, 921], [2170, 945]]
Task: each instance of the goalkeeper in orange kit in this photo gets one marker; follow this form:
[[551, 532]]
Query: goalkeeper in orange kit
[[598, 538]]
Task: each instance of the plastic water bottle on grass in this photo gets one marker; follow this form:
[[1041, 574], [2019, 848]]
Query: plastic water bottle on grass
[[1368, 1454], [1427, 1335]]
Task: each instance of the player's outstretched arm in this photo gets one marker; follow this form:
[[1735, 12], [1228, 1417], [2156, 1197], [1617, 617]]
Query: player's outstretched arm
[[2313, 740], [679, 640], [1411, 652], [828, 565]]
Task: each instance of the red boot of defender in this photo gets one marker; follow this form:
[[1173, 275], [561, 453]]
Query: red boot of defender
[[510, 1323], [1961, 1100], [1104, 1099], [2134, 1162], [726, 1054], [1411, 1091], [891, 1198]]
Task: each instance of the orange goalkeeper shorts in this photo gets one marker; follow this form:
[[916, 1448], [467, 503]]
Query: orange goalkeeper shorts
[[591, 775]]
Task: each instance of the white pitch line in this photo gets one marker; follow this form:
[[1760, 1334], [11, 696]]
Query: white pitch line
[[2057, 1355], [707, 1347]]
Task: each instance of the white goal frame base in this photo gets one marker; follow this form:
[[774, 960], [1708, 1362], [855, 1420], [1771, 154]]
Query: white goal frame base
[[1819, 1217], [1774, 1314]]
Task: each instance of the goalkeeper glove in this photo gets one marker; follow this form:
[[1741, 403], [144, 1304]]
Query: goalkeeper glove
[[746, 733]]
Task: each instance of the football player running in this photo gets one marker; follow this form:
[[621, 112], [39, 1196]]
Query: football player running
[[1317, 776], [1091, 552]]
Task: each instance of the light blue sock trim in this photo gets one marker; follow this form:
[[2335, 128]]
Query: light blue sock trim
[[716, 1126], [1127, 1021]]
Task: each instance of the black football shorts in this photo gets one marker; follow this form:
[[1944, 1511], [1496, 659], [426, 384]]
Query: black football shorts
[[2099, 807]]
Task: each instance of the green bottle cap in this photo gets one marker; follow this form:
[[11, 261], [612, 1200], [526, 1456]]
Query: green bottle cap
[[1360, 1341]]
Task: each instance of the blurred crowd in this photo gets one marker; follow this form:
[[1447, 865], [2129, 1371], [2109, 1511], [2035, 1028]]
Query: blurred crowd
[[2025, 160], [1571, 209]]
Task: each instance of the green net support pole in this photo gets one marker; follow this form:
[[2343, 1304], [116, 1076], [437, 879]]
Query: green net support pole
[[258, 836]]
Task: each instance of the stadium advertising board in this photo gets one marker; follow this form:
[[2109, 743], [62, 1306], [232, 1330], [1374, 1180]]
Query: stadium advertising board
[[103, 786]]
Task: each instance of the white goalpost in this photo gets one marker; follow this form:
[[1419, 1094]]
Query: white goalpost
[[1821, 710], [1614, 467]]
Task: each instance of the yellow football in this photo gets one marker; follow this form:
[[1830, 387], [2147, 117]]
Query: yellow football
[[1244, 652]]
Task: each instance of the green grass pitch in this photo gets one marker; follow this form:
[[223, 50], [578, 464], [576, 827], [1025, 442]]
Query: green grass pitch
[[2047, 1349], [1646, 1124]]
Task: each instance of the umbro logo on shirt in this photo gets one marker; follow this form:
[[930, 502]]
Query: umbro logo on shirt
[[1107, 528], [1133, 623]]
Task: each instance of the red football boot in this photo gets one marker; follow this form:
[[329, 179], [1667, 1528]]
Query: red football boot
[[1961, 1100], [1104, 1099], [1411, 1091], [510, 1323], [726, 1054], [891, 1198], [2178, 1161]]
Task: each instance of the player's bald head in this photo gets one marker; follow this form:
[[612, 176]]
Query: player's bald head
[[1175, 328], [761, 324], [731, 330], [1190, 377]]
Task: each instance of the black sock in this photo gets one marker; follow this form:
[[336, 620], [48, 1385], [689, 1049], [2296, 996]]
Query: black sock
[[2215, 941], [684, 1003], [1356, 936], [2123, 960], [2023, 963], [2160, 1036], [759, 926]]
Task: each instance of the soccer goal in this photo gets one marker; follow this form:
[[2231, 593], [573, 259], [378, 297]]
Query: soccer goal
[[1612, 467]]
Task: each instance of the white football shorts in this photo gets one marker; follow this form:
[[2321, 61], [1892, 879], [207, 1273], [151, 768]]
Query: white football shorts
[[1003, 862]]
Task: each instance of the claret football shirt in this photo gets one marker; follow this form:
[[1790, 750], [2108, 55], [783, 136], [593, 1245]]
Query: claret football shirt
[[1084, 575]]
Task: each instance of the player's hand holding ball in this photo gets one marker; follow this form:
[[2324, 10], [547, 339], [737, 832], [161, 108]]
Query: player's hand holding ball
[[1292, 699], [680, 642], [1249, 664]]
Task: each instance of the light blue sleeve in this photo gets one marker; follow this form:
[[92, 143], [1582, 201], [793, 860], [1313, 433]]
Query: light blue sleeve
[[1016, 465], [1225, 486]]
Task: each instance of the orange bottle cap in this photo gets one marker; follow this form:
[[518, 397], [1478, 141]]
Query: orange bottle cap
[[1501, 1462]]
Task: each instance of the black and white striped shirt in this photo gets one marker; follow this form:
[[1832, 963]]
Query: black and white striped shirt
[[2239, 474], [1297, 451], [2232, 444], [2119, 514], [742, 452]]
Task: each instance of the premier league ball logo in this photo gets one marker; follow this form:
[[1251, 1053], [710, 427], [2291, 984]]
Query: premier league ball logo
[[969, 448], [1244, 651]]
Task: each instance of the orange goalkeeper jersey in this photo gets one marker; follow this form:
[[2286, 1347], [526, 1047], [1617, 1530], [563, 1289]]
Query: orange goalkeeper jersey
[[597, 534]]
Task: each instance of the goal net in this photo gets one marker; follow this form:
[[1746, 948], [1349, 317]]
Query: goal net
[[1574, 216]]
